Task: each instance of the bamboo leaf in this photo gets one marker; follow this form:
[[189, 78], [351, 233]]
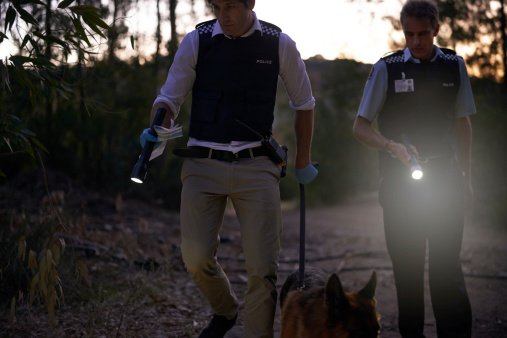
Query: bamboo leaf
[[33, 287], [19, 60], [10, 17], [8, 142], [25, 16], [22, 248], [12, 313], [96, 20], [93, 27], [51, 303], [53, 39], [25, 41], [62, 243], [82, 270], [80, 31], [3, 36], [55, 249], [50, 260], [43, 271], [32, 260], [65, 3], [83, 9], [36, 2]]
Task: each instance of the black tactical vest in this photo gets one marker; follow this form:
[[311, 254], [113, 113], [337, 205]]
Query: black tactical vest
[[236, 79], [424, 108]]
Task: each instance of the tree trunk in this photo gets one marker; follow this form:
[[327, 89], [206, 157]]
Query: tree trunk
[[503, 28], [173, 43], [47, 54], [158, 34], [113, 34]]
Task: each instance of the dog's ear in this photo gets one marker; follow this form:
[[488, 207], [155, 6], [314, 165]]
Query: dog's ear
[[336, 300], [368, 291]]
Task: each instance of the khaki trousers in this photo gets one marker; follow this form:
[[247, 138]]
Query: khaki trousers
[[252, 185]]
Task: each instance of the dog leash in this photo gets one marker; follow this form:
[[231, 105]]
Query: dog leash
[[302, 226], [302, 217]]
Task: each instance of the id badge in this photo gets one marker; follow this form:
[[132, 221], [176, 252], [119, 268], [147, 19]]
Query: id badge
[[404, 86]]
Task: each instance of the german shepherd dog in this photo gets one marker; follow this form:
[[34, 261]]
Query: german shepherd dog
[[322, 309]]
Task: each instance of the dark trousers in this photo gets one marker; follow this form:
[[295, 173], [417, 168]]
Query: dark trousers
[[422, 217]]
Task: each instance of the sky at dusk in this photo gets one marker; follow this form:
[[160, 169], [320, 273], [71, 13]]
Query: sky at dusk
[[333, 28], [353, 29]]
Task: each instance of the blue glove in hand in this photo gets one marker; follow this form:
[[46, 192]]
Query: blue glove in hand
[[146, 136], [306, 174]]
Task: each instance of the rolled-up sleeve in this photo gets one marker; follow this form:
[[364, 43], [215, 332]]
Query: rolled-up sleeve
[[181, 75], [294, 76]]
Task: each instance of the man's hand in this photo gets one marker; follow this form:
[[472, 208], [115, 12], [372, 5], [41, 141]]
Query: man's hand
[[306, 174], [147, 136], [399, 151]]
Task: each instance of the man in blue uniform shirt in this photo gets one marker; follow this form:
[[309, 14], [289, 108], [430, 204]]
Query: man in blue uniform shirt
[[232, 66], [422, 94]]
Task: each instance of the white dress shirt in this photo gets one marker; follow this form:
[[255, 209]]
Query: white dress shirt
[[181, 77]]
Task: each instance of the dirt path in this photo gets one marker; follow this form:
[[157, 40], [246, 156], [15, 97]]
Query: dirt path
[[139, 288], [349, 239]]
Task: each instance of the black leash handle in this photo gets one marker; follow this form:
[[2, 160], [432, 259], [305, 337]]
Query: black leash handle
[[302, 235], [302, 227]]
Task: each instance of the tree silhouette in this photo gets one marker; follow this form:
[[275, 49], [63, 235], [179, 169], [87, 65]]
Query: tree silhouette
[[478, 25], [46, 36]]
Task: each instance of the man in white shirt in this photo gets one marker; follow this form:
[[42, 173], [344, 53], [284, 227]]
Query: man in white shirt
[[232, 66]]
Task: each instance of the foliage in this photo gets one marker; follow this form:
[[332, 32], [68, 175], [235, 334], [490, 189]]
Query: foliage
[[85, 119], [346, 165], [475, 23], [479, 24], [46, 37], [31, 255], [99, 145], [488, 153]]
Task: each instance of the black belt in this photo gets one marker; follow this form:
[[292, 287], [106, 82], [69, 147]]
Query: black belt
[[221, 155]]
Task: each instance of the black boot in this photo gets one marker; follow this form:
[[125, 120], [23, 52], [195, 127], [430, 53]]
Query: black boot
[[218, 326]]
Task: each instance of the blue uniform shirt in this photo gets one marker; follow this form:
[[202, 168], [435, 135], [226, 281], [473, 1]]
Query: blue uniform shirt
[[375, 90]]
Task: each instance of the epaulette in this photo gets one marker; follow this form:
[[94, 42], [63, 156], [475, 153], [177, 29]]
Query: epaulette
[[270, 29], [206, 26], [393, 57], [448, 51], [449, 54]]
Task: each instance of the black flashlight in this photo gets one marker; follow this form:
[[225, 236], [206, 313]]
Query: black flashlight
[[141, 167]]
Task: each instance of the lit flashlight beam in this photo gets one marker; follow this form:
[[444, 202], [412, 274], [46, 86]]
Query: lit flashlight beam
[[415, 167]]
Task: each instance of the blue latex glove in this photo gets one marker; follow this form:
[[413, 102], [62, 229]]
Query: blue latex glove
[[146, 136], [306, 174]]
